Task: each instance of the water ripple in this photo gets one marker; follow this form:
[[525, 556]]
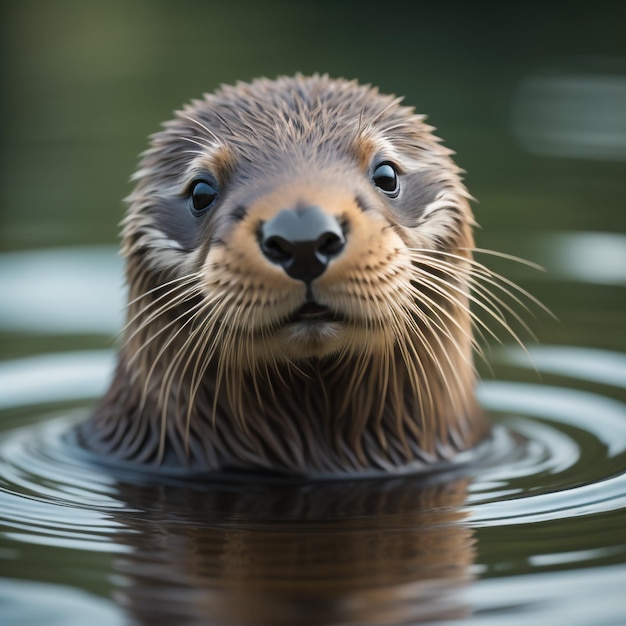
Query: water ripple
[[397, 550]]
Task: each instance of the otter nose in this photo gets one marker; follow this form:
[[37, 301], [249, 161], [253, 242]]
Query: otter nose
[[302, 241]]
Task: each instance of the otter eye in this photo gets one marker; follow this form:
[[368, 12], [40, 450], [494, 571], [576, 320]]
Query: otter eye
[[386, 178], [203, 195]]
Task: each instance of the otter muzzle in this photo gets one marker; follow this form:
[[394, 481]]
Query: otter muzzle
[[302, 241]]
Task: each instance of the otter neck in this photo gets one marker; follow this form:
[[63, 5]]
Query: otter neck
[[319, 416]]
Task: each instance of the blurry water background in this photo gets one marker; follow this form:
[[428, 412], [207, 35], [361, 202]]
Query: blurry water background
[[532, 97]]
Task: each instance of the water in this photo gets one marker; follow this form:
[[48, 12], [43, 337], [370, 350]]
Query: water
[[531, 533]]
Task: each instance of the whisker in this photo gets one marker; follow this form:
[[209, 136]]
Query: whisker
[[490, 298], [185, 287], [493, 314], [186, 277], [230, 361], [205, 331], [149, 319], [479, 271], [407, 351], [173, 368], [161, 330], [483, 268], [201, 365], [197, 143], [508, 257], [163, 348], [197, 122], [194, 332], [444, 333], [454, 300], [435, 310]]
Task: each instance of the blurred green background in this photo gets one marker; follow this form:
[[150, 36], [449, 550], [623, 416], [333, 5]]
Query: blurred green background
[[84, 83], [532, 97]]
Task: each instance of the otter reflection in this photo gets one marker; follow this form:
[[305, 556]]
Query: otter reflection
[[369, 552]]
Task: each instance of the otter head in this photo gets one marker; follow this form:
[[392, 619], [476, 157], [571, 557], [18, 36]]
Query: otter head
[[298, 255]]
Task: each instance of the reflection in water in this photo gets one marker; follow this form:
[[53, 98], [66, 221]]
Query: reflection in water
[[64, 290], [601, 366], [569, 406], [573, 598], [55, 377], [598, 258], [353, 553], [55, 605], [572, 114]]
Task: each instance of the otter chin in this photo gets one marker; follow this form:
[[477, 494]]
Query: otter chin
[[299, 261]]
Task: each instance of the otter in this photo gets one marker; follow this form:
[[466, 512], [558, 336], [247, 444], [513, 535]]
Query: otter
[[299, 260]]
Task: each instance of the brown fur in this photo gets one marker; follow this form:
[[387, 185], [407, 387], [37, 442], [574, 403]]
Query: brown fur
[[211, 376]]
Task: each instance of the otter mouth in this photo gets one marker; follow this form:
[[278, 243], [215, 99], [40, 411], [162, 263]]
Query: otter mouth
[[314, 312]]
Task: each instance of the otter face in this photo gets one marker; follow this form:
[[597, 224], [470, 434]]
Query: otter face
[[298, 254], [301, 218]]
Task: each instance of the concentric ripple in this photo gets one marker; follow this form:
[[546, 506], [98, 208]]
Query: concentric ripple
[[574, 462], [546, 494], [47, 496]]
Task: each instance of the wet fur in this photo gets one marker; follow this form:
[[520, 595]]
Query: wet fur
[[211, 377]]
